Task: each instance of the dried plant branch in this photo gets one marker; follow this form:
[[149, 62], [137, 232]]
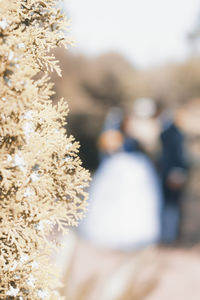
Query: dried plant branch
[[42, 183]]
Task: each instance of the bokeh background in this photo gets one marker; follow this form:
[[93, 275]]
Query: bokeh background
[[129, 49]]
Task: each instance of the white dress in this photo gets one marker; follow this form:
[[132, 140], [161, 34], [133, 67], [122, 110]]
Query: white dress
[[124, 205]]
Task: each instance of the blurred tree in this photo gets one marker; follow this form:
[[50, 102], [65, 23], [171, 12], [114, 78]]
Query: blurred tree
[[96, 84]]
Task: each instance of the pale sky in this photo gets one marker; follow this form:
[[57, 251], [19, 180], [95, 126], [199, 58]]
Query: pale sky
[[147, 32]]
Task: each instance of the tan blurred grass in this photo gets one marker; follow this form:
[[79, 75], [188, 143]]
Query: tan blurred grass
[[95, 273], [92, 273]]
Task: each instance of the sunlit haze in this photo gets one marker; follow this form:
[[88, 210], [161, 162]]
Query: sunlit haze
[[147, 32]]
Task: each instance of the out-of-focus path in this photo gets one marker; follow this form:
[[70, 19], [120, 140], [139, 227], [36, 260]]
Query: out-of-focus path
[[91, 273], [180, 279]]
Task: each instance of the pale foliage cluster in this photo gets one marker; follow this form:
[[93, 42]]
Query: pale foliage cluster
[[42, 183]]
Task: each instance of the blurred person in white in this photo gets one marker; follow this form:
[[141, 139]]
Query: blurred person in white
[[157, 130], [125, 197]]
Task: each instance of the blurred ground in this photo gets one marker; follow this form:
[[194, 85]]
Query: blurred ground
[[180, 279], [90, 273]]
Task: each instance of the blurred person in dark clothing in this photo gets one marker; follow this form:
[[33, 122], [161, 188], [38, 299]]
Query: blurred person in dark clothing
[[156, 130], [173, 172]]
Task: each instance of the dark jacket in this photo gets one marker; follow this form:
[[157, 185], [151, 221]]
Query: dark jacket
[[172, 156]]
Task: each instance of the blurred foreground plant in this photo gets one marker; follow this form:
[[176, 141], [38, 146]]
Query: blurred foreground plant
[[41, 179]]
